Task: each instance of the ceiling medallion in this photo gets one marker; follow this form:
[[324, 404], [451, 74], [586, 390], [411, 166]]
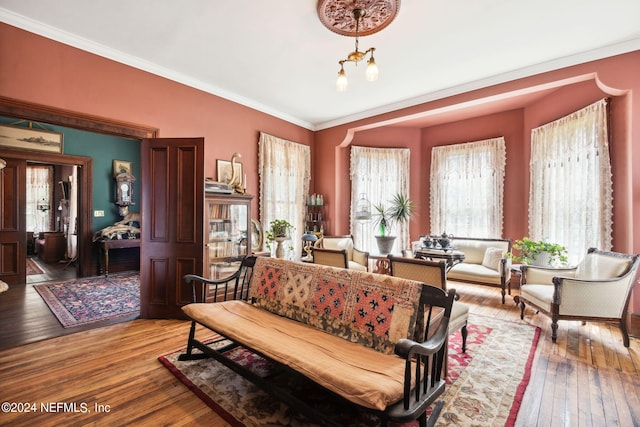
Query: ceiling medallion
[[337, 15]]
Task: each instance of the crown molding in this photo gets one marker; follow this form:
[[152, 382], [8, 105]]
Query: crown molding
[[38, 27], [567, 61]]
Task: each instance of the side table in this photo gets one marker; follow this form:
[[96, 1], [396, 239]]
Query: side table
[[106, 245], [450, 256]]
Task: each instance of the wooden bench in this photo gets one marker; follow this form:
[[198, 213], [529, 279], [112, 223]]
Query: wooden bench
[[359, 335]]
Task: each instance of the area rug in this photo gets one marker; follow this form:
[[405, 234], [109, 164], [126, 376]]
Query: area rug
[[485, 385], [93, 299], [33, 268]]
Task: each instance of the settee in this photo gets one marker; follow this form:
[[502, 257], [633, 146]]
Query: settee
[[485, 262], [356, 334]]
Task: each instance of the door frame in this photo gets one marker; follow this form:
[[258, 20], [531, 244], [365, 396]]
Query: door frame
[[85, 196], [57, 116]]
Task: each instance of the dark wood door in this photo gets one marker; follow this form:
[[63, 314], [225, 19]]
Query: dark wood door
[[13, 235], [172, 194]]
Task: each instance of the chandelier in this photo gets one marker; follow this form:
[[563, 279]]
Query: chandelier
[[368, 17], [356, 56]]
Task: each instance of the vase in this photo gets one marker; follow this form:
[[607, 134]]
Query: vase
[[279, 247], [385, 244], [543, 259]]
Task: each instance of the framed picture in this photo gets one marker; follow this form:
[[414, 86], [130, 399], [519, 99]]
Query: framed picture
[[30, 139], [121, 166], [224, 171]]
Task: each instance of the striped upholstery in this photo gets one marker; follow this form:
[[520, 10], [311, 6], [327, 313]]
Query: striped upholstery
[[432, 273]]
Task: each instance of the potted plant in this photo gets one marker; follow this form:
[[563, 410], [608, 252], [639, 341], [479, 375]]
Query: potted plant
[[279, 231], [539, 252], [399, 210]]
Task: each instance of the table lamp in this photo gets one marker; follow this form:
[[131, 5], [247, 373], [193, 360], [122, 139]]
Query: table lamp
[[308, 239]]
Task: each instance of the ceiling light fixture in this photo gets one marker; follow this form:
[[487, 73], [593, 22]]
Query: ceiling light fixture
[[365, 17], [356, 56]]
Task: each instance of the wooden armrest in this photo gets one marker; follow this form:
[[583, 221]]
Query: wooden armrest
[[406, 348], [194, 279], [188, 278]]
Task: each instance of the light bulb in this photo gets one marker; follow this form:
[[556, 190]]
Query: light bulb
[[372, 70], [342, 83]]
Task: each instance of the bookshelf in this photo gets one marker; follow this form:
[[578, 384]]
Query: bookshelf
[[227, 238]]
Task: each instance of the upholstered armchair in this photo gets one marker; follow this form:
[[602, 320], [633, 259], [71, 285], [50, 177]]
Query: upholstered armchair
[[432, 273], [598, 289], [356, 259]]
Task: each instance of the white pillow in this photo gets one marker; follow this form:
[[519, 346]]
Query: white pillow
[[492, 257]]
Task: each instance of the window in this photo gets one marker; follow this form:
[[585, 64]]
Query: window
[[570, 195], [379, 174], [467, 187], [285, 173]]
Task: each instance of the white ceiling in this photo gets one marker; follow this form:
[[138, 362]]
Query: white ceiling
[[276, 56]]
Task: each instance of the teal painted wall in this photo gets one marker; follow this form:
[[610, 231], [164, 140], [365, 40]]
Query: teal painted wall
[[103, 149]]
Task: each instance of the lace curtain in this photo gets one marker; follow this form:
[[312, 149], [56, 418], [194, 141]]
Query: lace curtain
[[467, 188], [284, 169], [39, 191], [570, 194], [379, 174]]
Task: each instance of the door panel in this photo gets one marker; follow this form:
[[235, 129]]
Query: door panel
[[13, 235], [172, 207]]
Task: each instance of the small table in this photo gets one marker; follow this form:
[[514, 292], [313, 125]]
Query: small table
[[106, 245], [450, 256]]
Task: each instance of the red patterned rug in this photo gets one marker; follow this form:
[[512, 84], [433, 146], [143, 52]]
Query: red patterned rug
[[33, 268], [92, 299], [484, 388]]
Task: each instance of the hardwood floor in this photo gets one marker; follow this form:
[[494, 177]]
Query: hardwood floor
[[26, 318], [52, 271], [587, 379]]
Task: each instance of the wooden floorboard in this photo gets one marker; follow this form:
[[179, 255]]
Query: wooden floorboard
[[588, 378]]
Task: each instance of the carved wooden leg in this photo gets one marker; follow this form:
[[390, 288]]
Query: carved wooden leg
[[625, 333], [555, 315], [521, 309], [504, 292], [464, 332]]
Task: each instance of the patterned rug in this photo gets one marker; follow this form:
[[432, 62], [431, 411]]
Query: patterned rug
[[92, 299], [484, 388], [33, 268]]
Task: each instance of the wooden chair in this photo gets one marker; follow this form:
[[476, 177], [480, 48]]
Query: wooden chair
[[356, 259], [598, 289], [432, 273], [330, 257]]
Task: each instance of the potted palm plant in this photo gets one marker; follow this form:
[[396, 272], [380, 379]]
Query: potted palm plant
[[385, 217], [539, 252], [279, 231]]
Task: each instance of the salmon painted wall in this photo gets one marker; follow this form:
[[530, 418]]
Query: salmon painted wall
[[39, 70], [565, 91]]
